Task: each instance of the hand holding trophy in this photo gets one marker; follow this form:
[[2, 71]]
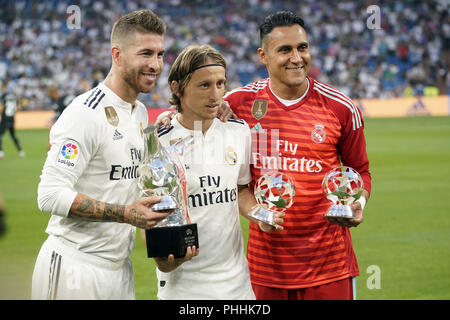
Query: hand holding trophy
[[275, 190], [162, 173], [342, 186]]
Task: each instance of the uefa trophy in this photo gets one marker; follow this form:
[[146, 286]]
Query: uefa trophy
[[342, 186], [277, 191], [162, 173]]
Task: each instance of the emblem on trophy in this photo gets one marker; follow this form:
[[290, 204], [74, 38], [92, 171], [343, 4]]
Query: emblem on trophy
[[275, 190], [162, 173], [342, 186]]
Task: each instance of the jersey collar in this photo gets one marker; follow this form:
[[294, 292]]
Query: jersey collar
[[114, 98]]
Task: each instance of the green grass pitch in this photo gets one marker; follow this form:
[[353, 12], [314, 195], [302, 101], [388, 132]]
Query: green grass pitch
[[403, 246]]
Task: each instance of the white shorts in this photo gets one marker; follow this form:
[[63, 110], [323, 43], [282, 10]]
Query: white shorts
[[62, 272]]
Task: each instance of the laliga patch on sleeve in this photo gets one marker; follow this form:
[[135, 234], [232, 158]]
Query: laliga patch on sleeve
[[68, 154]]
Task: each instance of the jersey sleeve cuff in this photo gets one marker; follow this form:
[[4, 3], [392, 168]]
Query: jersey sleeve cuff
[[64, 202]]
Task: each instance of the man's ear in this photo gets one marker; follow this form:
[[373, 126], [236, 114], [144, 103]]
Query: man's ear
[[116, 54], [262, 55], [174, 86]]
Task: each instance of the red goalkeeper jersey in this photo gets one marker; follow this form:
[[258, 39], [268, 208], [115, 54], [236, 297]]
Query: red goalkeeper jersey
[[305, 141]]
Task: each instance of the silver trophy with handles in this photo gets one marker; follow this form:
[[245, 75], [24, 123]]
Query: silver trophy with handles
[[162, 173]]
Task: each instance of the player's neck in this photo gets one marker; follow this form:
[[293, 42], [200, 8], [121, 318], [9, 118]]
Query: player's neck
[[121, 88], [194, 124], [287, 92]]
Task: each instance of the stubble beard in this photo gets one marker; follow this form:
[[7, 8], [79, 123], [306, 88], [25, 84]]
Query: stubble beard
[[131, 77]]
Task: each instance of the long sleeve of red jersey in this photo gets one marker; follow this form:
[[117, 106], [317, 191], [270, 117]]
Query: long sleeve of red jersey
[[352, 144]]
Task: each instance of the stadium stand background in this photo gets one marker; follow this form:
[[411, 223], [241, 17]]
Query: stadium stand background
[[408, 55]]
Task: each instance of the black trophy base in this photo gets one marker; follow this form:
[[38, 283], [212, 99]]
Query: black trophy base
[[162, 241]]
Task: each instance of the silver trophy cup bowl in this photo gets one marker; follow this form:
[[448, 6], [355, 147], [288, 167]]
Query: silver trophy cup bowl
[[274, 192]]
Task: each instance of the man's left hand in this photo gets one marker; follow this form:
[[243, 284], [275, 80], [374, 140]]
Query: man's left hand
[[354, 222]]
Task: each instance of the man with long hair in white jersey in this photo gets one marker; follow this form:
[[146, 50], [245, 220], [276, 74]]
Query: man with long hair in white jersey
[[217, 174]]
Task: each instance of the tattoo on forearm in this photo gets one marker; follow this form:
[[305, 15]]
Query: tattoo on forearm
[[85, 206], [92, 210], [137, 219], [114, 212], [133, 218], [83, 210], [98, 208]]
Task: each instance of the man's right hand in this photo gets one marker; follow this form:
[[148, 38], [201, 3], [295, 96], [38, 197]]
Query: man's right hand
[[225, 113], [141, 215]]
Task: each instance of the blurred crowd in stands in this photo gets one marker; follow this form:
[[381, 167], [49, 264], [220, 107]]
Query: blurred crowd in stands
[[408, 54]]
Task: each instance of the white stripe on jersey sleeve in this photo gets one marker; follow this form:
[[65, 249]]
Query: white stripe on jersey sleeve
[[339, 94], [356, 124]]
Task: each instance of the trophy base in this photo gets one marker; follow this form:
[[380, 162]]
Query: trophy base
[[162, 241], [340, 211], [262, 214]]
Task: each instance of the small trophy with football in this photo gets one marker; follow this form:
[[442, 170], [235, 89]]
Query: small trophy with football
[[274, 192], [342, 186], [162, 173]]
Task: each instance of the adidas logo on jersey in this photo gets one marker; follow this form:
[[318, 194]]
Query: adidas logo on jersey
[[117, 135], [257, 128]]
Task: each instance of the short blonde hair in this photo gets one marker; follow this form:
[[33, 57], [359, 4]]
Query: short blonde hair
[[143, 21], [190, 59]]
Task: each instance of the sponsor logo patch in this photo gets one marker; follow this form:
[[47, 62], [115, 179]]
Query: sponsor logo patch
[[68, 155]]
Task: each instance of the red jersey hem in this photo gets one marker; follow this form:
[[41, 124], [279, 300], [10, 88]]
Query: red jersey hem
[[308, 285]]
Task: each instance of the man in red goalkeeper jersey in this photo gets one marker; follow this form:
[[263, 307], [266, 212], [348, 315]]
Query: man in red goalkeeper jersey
[[304, 128]]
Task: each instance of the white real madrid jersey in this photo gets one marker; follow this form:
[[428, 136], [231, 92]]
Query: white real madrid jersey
[[216, 164], [96, 147]]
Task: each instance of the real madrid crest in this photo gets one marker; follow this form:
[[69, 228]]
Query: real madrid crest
[[318, 134], [259, 108], [141, 129], [171, 142], [111, 116], [230, 156]]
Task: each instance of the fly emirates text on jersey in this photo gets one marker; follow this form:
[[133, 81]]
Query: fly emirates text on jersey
[[284, 157]]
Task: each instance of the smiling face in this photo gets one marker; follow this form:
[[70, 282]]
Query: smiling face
[[141, 61], [202, 95], [286, 55]]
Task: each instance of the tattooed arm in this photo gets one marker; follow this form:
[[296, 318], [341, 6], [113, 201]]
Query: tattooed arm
[[138, 213]]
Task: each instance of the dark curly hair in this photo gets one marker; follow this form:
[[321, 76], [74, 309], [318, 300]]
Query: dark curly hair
[[279, 19]]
